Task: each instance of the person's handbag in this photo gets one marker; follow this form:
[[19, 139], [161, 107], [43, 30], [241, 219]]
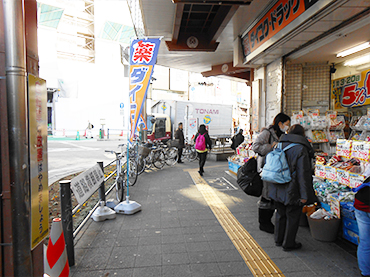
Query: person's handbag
[[248, 178]]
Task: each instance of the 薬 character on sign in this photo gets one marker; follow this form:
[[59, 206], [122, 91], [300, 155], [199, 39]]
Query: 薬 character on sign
[[143, 51]]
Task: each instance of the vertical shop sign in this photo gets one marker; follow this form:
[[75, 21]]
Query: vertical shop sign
[[277, 18], [256, 91], [351, 91], [38, 159], [143, 56]]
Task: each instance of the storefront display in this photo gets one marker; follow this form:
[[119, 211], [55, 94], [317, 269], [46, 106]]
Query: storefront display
[[336, 176], [243, 153]]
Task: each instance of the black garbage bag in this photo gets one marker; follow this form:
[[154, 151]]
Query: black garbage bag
[[248, 178]]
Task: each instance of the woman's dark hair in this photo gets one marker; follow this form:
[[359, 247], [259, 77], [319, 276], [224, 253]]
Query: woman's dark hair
[[297, 129], [202, 129], [280, 117]]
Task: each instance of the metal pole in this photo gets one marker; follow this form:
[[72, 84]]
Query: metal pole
[[16, 84], [102, 185], [67, 222]]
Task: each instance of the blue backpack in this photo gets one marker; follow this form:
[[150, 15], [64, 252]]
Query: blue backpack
[[276, 169]]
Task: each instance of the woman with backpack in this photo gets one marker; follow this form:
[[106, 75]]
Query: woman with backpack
[[289, 198], [202, 144], [264, 144]]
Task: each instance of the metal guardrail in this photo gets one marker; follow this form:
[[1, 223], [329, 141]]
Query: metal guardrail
[[67, 212]]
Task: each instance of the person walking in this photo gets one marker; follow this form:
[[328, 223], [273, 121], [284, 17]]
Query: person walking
[[179, 134], [237, 140], [290, 198], [362, 213], [88, 129], [202, 144], [264, 143]]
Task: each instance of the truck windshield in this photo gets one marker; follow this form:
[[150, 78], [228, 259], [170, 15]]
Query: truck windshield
[[149, 123]]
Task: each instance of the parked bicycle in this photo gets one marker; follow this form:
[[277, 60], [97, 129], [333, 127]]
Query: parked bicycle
[[121, 172], [189, 151]]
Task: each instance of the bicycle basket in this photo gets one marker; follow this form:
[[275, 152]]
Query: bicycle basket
[[144, 151], [174, 143]]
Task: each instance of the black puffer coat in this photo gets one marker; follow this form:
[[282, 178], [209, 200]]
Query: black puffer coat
[[299, 160]]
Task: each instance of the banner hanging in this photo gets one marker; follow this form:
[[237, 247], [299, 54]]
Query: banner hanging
[[351, 91], [143, 56]]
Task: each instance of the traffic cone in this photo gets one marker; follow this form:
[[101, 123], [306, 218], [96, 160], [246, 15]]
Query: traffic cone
[[85, 134], [121, 135], [55, 256], [78, 135]]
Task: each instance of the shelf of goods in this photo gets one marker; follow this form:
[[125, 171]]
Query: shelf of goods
[[243, 153], [360, 128], [335, 178]]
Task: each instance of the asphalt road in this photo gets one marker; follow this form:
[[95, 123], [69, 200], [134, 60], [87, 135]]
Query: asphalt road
[[66, 157]]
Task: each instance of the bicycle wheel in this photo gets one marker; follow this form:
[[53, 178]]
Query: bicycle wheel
[[158, 159], [171, 156], [132, 174], [120, 189], [192, 155], [141, 164]]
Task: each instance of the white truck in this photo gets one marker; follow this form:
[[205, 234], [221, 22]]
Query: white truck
[[216, 117]]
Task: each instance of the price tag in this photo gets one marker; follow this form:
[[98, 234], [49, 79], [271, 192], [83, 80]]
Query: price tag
[[364, 152], [331, 173], [344, 148], [334, 205], [320, 171], [356, 180], [343, 177]]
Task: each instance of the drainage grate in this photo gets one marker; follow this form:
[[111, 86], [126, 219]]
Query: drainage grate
[[259, 263]]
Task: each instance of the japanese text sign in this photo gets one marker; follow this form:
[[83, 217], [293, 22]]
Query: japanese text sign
[[360, 150], [39, 190], [351, 91], [343, 177], [143, 56], [334, 205], [278, 17], [355, 180], [320, 171], [85, 184], [344, 148], [331, 173]]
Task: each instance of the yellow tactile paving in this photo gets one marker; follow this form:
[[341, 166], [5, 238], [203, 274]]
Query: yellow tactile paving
[[254, 256]]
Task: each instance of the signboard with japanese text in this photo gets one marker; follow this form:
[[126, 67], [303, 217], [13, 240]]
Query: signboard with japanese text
[[277, 18], [331, 173], [86, 183], [334, 206], [351, 91], [143, 56], [37, 95], [320, 171], [356, 180], [343, 177], [360, 150], [344, 148]]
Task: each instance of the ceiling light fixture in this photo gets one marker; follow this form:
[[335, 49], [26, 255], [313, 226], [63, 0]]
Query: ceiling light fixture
[[358, 61], [354, 49]]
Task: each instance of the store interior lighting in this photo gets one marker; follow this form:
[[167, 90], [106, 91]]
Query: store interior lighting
[[358, 61], [354, 49]]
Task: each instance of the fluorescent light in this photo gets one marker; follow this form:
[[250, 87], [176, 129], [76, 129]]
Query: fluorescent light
[[358, 61], [354, 49]]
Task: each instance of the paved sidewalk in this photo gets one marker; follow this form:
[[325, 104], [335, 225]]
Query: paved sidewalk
[[177, 234]]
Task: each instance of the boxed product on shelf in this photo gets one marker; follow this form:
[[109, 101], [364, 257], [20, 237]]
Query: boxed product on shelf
[[334, 135], [319, 122], [319, 136], [355, 135], [365, 135], [353, 124]]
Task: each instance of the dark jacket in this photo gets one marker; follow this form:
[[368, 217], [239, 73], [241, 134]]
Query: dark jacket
[[179, 134], [237, 140], [208, 139], [299, 160]]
